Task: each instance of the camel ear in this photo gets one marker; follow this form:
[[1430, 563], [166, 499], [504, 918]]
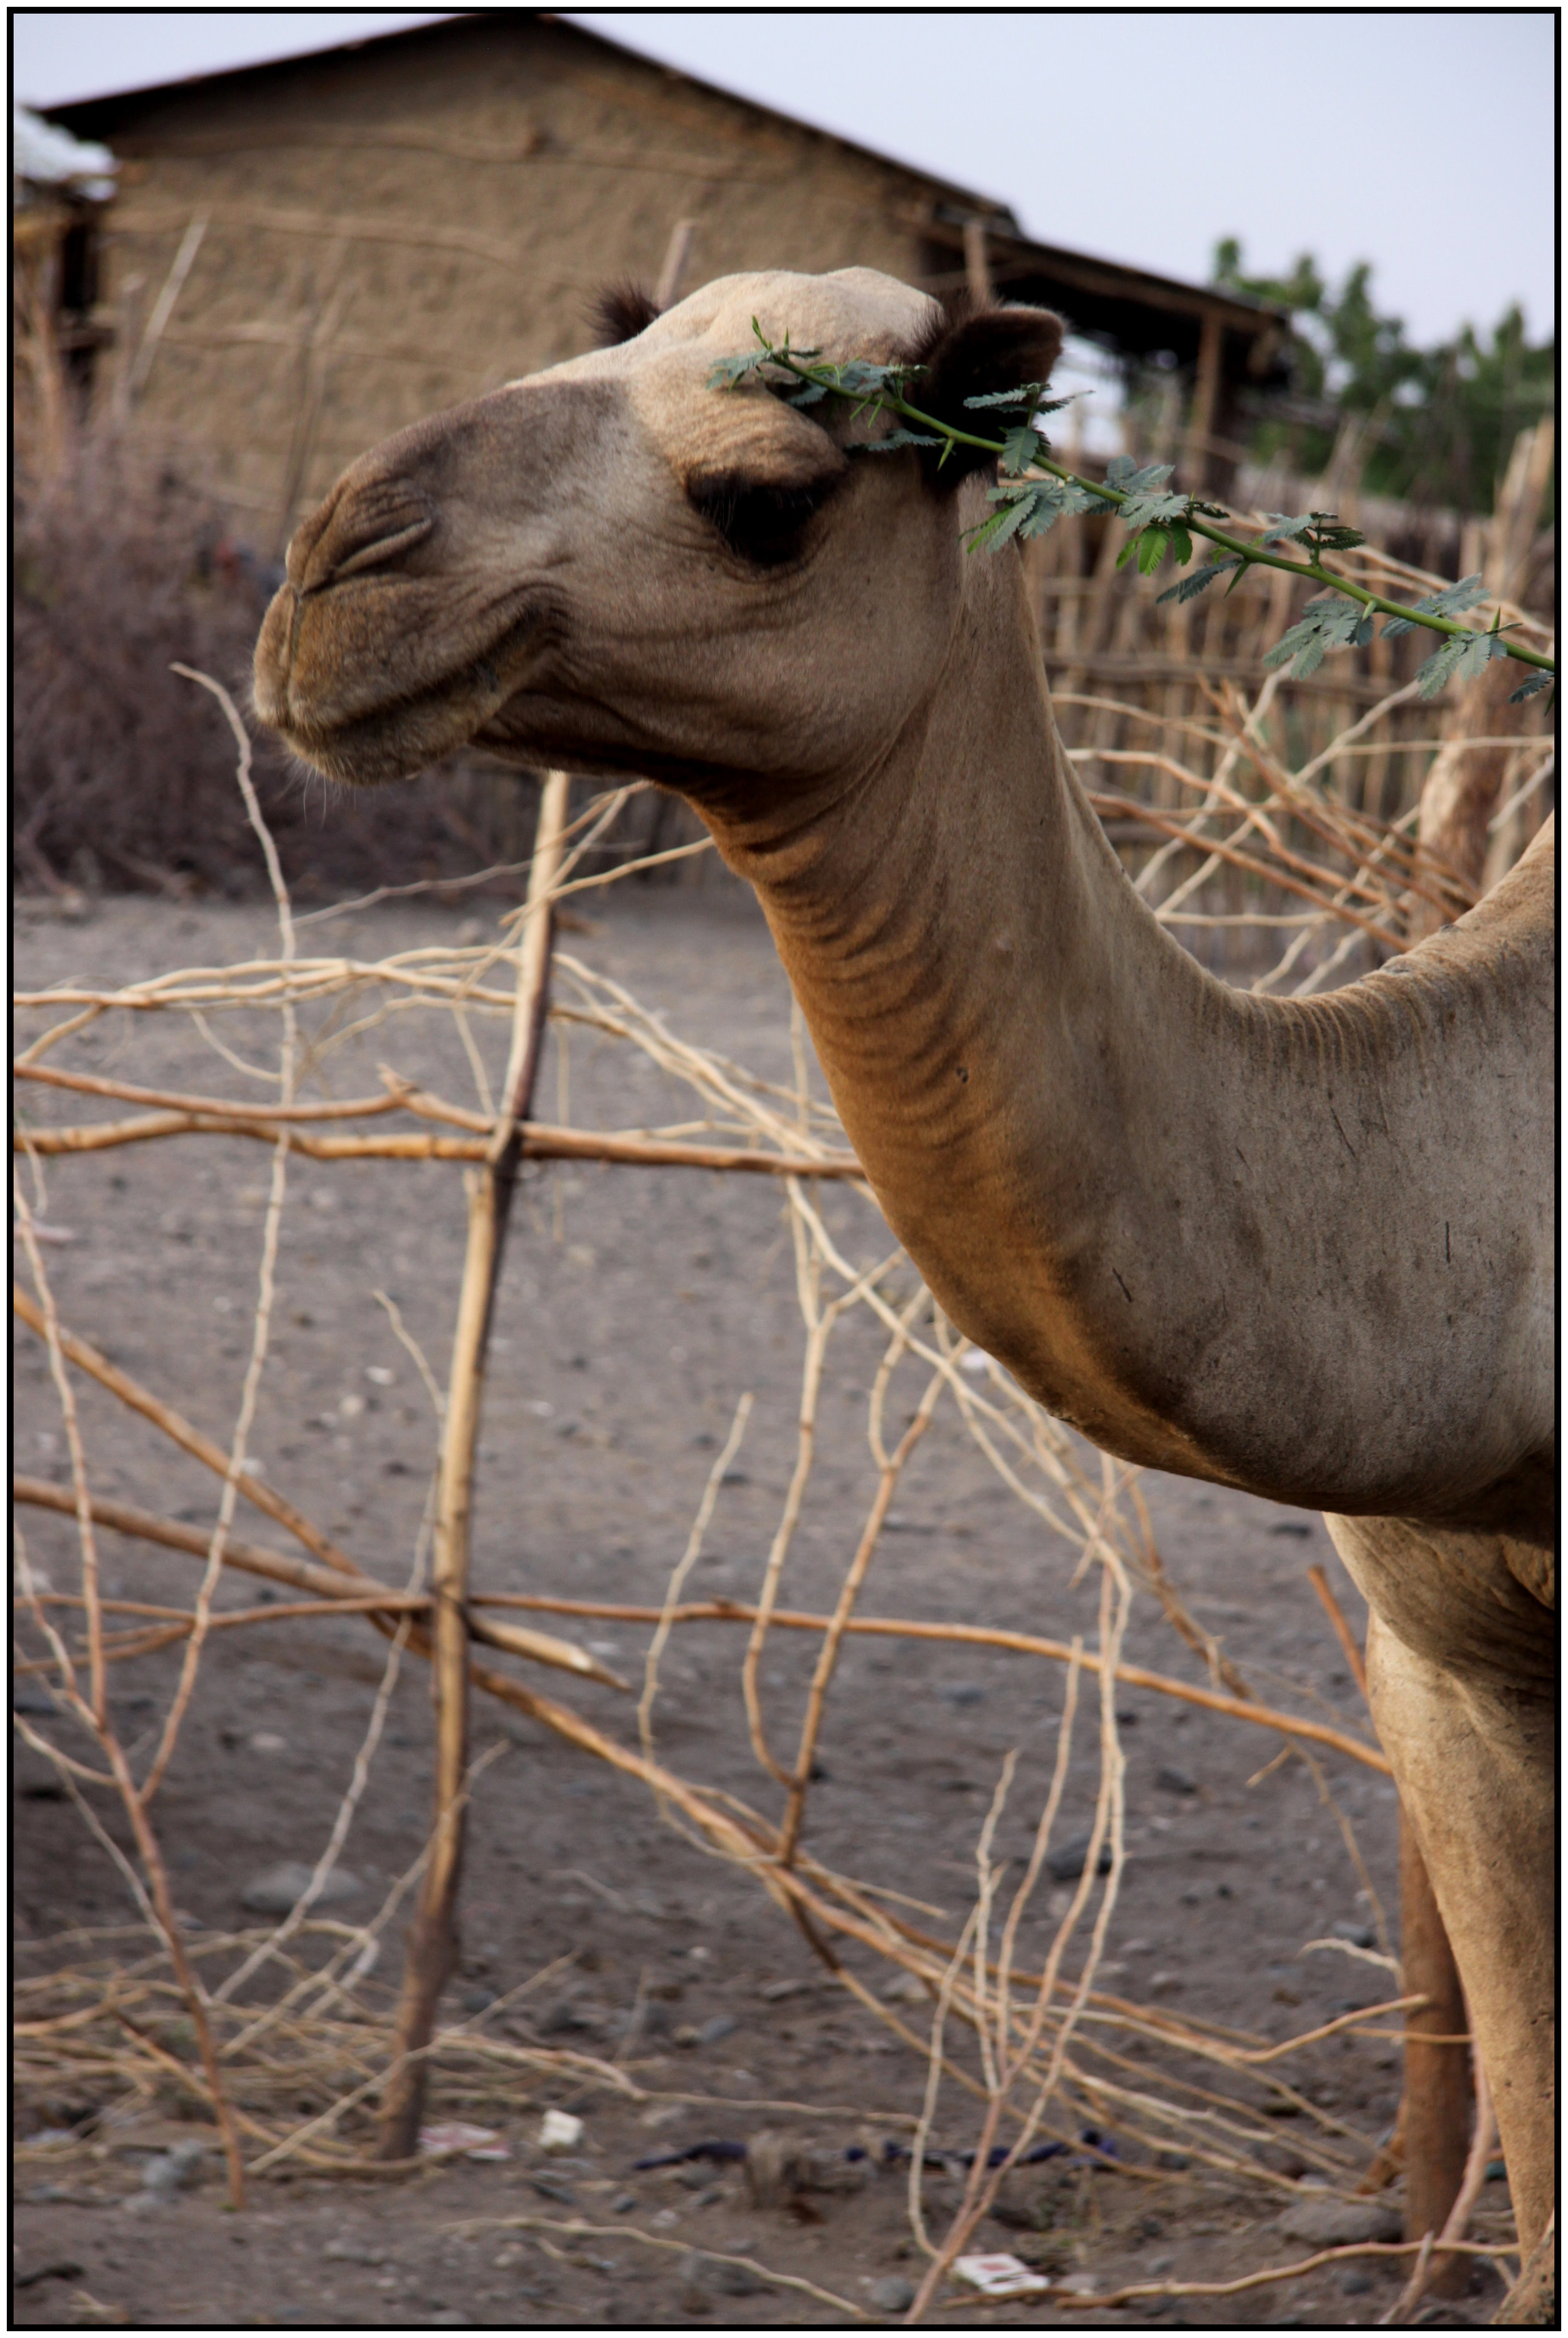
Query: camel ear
[[972, 355], [619, 313]]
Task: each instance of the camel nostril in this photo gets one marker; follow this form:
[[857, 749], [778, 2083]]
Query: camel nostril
[[384, 552], [360, 529]]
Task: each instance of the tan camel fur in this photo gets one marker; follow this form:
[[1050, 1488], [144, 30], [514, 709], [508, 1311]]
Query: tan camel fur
[[1304, 1249]]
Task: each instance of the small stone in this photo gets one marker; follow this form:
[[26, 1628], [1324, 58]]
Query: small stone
[[351, 2252], [1354, 2282], [1360, 1936], [1068, 1862], [730, 2280], [275, 1891], [622, 2204], [907, 1989], [560, 2131], [891, 2295], [1175, 1780], [720, 2027], [1340, 2224], [476, 2001], [176, 2170]]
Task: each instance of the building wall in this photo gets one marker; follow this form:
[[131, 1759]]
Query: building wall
[[394, 229]]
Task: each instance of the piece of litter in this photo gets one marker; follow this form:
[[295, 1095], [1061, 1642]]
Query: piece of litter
[[379, 1374], [560, 2131], [976, 1360], [457, 2135], [44, 1232], [999, 2275]]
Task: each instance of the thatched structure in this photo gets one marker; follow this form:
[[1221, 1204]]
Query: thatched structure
[[306, 256]]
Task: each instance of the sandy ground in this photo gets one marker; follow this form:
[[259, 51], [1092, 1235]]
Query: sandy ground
[[636, 1305]]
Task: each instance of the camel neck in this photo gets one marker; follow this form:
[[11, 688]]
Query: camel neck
[[1148, 1195]]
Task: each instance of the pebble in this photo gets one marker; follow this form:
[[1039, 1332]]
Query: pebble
[[703, 2278], [1340, 2224], [1175, 1780], [962, 1693], [1355, 2283], [355, 2253], [560, 2131], [274, 1891], [891, 2295], [720, 2027], [622, 2204], [1068, 1861], [1360, 1936], [176, 2170]]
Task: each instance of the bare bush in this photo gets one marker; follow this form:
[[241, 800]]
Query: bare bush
[[124, 568]]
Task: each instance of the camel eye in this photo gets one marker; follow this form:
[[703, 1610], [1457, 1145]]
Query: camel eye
[[764, 524]]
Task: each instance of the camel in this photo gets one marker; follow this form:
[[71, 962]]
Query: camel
[[1304, 1248]]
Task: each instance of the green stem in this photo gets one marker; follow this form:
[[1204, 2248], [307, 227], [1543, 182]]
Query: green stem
[[1313, 570]]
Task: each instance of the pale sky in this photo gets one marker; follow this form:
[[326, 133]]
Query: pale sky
[[1422, 141]]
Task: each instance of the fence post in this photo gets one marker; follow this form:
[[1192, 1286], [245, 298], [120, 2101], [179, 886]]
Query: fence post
[[433, 1936]]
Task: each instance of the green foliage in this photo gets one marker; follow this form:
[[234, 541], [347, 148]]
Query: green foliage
[[1019, 448], [1528, 689], [1449, 602], [1187, 588], [1462, 657], [1320, 532], [1158, 521], [1442, 420], [1330, 622]]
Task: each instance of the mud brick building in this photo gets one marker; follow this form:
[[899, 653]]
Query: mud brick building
[[304, 256]]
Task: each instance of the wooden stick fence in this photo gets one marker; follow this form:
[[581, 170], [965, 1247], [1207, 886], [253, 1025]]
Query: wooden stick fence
[[1286, 852]]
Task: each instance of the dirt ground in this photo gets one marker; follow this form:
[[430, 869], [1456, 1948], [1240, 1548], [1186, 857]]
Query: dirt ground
[[636, 1305]]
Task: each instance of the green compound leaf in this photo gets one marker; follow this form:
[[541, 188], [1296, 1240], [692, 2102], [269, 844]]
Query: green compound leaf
[[1144, 509], [1027, 394], [994, 532], [896, 439], [1528, 689], [1460, 658], [727, 371], [1332, 622], [1451, 602], [1122, 474], [1180, 545], [1019, 448], [1189, 587], [1027, 508]]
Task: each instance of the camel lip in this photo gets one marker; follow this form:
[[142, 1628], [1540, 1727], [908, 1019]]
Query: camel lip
[[389, 725]]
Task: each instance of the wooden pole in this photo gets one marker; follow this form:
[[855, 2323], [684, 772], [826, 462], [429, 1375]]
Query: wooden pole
[[1205, 403], [1438, 2096], [1461, 789], [433, 1937], [977, 263], [677, 251]]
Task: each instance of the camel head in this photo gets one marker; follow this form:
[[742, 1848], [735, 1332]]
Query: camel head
[[613, 566]]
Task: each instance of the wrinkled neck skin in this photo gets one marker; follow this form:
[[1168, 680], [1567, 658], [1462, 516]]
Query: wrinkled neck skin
[[1240, 1239]]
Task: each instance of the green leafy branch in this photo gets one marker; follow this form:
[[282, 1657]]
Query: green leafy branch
[[1032, 493]]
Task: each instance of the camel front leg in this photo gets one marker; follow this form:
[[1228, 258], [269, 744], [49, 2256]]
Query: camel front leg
[[1474, 1765]]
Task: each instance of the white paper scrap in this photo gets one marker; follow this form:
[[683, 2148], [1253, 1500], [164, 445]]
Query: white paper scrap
[[999, 2275]]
